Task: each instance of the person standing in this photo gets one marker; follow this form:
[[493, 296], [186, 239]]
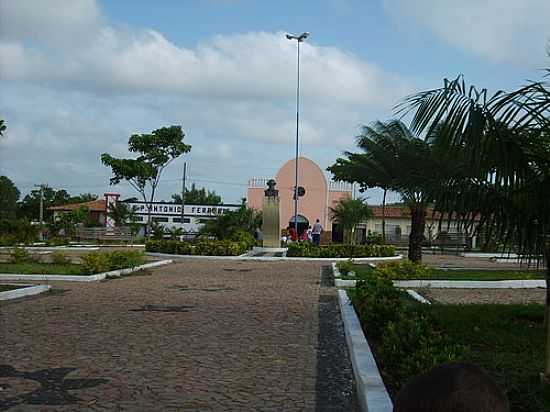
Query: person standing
[[316, 233]]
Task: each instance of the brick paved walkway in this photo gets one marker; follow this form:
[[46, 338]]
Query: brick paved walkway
[[197, 335]]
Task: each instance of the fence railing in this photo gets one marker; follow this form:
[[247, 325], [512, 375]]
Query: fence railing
[[122, 233]]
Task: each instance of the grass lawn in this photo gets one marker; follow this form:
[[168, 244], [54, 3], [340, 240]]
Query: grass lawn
[[508, 341], [463, 274], [6, 288], [43, 269]]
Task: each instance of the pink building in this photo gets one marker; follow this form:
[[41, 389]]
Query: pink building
[[319, 194]]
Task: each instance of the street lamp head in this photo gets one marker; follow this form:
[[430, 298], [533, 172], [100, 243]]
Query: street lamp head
[[300, 38]]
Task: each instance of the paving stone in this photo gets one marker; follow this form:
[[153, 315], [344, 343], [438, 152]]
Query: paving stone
[[193, 336]]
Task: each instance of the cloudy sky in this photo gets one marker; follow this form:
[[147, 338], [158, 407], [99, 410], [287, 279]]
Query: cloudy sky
[[78, 77]]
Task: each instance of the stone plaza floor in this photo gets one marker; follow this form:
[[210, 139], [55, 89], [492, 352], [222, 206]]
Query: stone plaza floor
[[198, 335]]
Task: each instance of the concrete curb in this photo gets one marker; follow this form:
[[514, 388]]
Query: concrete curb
[[90, 278], [456, 284], [472, 284], [272, 258], [24, 291], [336, 271], [418, 297], [371, 391]]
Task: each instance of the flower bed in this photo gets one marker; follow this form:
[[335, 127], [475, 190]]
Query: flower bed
[[201, 247], [306, 249]]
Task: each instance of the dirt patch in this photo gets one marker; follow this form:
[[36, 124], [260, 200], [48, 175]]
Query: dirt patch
[[484, 296]]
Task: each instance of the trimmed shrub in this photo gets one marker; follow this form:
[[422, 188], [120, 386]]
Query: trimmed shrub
[[98, 262], [411, 345], [20, 255], [306, 249], [374, 238], [201, 247], [377, 303], [57, 241], [59, 258], [404, 269], [345, 267], [95, 262]]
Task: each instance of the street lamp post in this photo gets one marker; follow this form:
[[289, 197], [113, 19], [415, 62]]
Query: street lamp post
[[298, 39]]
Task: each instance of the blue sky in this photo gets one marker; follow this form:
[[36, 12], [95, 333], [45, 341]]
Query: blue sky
[[78, 77]]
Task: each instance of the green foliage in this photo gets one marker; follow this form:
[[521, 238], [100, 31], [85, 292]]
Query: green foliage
[[97, 262], [199, 247], [59, 258], [3, 127], [196, 196], [374, 238], [29, 207], [9, 195], [377, 303], [307, 249], [345, 267], [348, 213], [412, 344], [20, 255], [403, 269], [243, 236], [57, 241], [155, 151], [409, 340], [226, 225], [13, 231]]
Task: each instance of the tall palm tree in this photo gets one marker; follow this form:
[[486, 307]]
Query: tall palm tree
[[348, 213], [506, 138], [394, 159]]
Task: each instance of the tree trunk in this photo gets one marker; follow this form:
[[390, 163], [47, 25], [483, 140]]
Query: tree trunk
[[384, 217], [546, 377], [416, 237]]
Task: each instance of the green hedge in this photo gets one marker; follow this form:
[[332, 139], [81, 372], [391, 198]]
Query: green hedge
[[405, 333], [98, 262], [307, 249], [201, 247]]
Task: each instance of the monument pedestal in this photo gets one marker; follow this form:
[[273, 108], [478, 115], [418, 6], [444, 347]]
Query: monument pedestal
[[270, 227]]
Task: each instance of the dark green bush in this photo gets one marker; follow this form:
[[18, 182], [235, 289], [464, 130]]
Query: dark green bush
[[59, 258], [306, 249], [201, 247], [345, 267], [403, 269], [411, 345], [97, 262], [57, 241], [374, 238], [377, 303], [20, 255]]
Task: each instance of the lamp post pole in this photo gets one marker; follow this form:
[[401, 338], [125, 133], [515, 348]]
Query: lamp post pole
[[298, 39]]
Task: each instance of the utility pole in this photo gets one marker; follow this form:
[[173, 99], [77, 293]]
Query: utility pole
[[183, 194], [41, 186]]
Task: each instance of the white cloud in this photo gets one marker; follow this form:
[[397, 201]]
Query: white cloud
[[498, 30], [76, 87]]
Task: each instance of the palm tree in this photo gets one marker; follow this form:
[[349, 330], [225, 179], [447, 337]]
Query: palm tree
[[506, 139], [394, 159], [348, 213]]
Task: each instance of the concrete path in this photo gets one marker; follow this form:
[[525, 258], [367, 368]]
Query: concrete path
[[194, 336]]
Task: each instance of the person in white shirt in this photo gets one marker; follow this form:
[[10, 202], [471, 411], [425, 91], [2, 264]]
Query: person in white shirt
[[316, 233]]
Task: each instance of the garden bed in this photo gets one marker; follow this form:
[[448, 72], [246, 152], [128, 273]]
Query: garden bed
[[37, 268], [7, 288], [459, 274], [408, 338], [198, 248], [306, 249]]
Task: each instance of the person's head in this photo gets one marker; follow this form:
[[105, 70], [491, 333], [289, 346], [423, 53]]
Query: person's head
[[452, 387], [317, 221], [309, 227]]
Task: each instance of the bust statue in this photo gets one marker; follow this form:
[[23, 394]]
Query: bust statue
[[271, 191]]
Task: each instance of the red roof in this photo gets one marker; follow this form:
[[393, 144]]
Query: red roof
[[92, 206]]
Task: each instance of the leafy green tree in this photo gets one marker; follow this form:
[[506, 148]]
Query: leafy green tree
[[196, 196], [29, 207], [119, 212], [155, 151], [82, 198], [348, 213], [507, 141], [9, 195]]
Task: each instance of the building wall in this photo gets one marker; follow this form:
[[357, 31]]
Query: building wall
[[313, 205]]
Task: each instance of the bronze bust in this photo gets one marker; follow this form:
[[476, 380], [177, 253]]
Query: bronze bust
[[271, 191]]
